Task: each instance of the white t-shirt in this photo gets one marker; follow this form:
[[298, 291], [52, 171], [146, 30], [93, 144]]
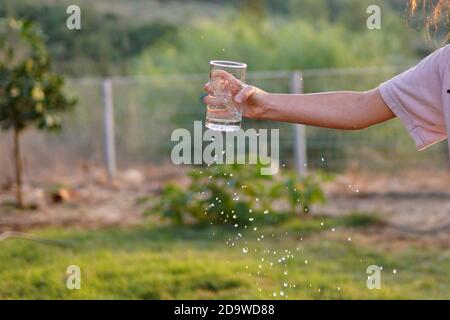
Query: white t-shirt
[[420, 98]]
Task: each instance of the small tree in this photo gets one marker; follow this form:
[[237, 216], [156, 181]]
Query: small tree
[[30, 94]]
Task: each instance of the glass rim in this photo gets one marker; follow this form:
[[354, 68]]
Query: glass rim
[[228, 64]]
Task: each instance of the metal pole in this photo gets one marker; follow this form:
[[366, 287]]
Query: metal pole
[[300, 155], [108, 123]]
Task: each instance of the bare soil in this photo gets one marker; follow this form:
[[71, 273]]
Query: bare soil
[[413, 204]]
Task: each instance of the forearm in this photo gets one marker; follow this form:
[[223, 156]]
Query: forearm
[[338, 110]]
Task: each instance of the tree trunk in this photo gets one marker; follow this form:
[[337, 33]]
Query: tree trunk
[[18, 162]]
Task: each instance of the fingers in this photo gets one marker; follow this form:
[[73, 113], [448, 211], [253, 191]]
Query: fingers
[[245, 94], [223, 75], [233, 88], [222, 81], [207, 87], [217, 84], [213, 101], [242, 96]]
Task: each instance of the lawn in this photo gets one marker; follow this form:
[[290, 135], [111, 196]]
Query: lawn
[[313, 258]]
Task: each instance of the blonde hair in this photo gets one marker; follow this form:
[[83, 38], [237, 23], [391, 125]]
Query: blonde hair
[[438, 12]]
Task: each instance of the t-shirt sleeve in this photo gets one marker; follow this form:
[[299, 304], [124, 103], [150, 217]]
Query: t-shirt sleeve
[[415, 97]]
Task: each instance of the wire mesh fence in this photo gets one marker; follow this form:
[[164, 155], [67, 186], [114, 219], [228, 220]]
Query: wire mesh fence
[[148, 109]]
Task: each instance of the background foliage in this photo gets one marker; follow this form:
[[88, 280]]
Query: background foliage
[[29, 91], [123, 37], [238, 195]]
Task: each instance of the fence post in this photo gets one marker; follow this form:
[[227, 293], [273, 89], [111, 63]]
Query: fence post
[[108, 126], [300, 156]]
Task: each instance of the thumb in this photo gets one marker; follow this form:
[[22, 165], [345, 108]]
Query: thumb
[[244, 94]]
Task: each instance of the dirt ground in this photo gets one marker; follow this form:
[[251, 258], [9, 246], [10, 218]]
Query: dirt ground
[[417, 200], [413, 204]]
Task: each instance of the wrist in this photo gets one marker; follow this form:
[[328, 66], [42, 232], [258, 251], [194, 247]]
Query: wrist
[[266, 107], [260, 106]]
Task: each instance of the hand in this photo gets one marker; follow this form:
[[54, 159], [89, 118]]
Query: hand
[[224, 86]]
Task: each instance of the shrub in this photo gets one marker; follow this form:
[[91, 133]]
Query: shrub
[[237, 194]]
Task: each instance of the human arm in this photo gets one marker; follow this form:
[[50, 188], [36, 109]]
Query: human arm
[[338, 110]]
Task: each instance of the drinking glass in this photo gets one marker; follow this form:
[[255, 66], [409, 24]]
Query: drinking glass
[[226, 79]]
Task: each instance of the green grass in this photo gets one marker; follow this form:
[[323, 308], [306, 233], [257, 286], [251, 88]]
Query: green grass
[[166, 262]]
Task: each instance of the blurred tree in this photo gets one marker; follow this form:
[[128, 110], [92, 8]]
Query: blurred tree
[[110, 40], [30, 94], [103, 45], [254, 9], [270, 45], [311, 10]]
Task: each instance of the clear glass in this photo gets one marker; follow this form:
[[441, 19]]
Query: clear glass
[[225, 114]]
